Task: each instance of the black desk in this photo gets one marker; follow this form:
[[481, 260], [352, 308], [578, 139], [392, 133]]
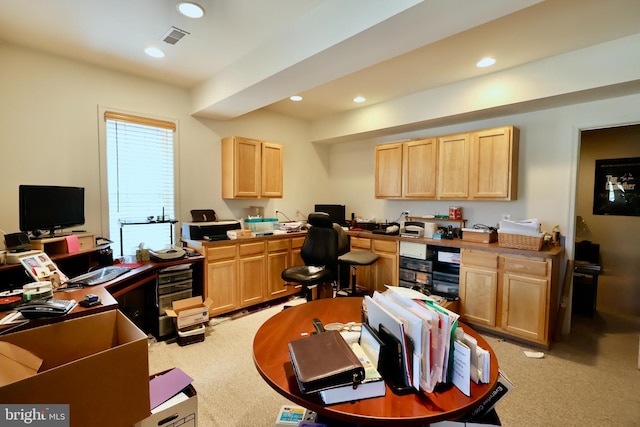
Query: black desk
[[585, 287]]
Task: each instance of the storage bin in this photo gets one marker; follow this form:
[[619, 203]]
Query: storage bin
[[521, 241], [258, 225], [191, 335]]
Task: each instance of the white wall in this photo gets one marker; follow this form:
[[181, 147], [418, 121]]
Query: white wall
[[49, 135]]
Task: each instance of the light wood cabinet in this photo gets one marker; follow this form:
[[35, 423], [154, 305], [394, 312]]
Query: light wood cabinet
[[453, 166], [384, 271], [388, 170], [251, 168], [406, 169], [479, 287], [251, 267], [480, 165], [247, 272], [507, 293], [279, 258], [221, 282], [493, 164]]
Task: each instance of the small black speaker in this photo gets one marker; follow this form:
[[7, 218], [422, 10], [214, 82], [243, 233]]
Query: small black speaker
[[17, 242]]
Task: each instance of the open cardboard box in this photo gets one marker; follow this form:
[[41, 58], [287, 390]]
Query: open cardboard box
[[190, 311], [98, 364]]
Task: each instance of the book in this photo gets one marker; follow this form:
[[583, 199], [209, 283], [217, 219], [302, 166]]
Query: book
[[323, 361], [372, 386]]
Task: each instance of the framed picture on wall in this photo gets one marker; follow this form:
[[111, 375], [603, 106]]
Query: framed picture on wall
[[616, 190]]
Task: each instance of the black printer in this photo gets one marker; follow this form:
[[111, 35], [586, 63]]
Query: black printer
[[212, 230]]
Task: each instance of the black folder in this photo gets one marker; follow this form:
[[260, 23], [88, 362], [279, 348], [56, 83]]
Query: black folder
[[323, 361]]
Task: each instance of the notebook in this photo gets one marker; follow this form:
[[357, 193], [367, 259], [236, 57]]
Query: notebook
[[323, 361]]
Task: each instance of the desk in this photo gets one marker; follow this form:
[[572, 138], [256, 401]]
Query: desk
[[111, 292], [271, 358]]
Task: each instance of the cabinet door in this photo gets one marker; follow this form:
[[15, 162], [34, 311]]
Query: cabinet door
[[222, 285], [524, 306], [388, 170], [251, 266], [278, 259], [241, 167], [453, 167], [296, 246], [493, 168], [272, 170], [478, 286], [386, 268], [419, 169], [478, 295]]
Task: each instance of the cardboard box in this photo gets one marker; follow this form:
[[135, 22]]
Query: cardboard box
[[471, 235], [98, 364], [239, 234], [183, 413], [190, 311]]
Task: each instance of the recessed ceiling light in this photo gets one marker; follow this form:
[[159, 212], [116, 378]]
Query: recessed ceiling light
[[485, 62], [359, 99], [154, 52], [190, 9], [295, 98]]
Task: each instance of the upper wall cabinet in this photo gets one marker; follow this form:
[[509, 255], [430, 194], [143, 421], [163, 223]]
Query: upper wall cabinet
[[453, 166], [493, 164], [406, 169], [251, 168], [480, 165]]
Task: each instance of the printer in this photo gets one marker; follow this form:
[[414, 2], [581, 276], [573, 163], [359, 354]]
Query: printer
[[211, 230]]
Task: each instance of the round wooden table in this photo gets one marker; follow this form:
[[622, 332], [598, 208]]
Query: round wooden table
[[271, 357]]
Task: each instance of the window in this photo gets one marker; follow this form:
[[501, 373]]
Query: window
[[140, 180]]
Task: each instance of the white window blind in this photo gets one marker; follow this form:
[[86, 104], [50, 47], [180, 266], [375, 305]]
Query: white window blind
[[140, 181]]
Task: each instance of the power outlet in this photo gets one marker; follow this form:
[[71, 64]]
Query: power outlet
[[506, 217], [298, 213]]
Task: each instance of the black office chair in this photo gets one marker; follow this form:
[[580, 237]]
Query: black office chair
[[322, 246]]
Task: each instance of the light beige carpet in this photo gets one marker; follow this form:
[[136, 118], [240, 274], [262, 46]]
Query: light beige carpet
[[591, 378]]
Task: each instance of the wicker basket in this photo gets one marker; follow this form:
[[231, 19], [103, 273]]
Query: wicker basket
[[520, 241]]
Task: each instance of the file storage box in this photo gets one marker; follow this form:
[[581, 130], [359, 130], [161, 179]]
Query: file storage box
[[191, 335]]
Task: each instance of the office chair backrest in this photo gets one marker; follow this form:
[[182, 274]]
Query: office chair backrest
[[320, 247]]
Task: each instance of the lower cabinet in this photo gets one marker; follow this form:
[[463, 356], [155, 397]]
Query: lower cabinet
[[221, 282], [508, 294], [245, 273], [385, 271]]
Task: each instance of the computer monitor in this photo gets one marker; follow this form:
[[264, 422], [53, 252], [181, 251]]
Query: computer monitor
[[336, 212]]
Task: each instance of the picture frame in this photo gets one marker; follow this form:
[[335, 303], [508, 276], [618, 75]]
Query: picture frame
[[615, 189]]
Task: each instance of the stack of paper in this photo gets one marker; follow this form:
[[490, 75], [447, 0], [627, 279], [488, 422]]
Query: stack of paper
[[372, 385], [424, 330], [528, 226]]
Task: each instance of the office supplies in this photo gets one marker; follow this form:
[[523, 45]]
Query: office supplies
[[324, 360], [99, 276]]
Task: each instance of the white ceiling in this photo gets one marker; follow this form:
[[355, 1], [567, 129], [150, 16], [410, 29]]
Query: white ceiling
[[246, 55]]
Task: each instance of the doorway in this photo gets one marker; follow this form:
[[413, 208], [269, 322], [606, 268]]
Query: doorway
[[617, 235]]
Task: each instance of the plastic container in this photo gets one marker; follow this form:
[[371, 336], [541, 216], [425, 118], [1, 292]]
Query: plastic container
[[191, 335], [258, 225]]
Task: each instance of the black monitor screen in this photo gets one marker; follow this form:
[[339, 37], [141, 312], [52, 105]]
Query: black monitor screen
[[48, 208], [336, 212]]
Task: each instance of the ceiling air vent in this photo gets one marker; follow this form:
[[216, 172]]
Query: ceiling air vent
[[174, 35]]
